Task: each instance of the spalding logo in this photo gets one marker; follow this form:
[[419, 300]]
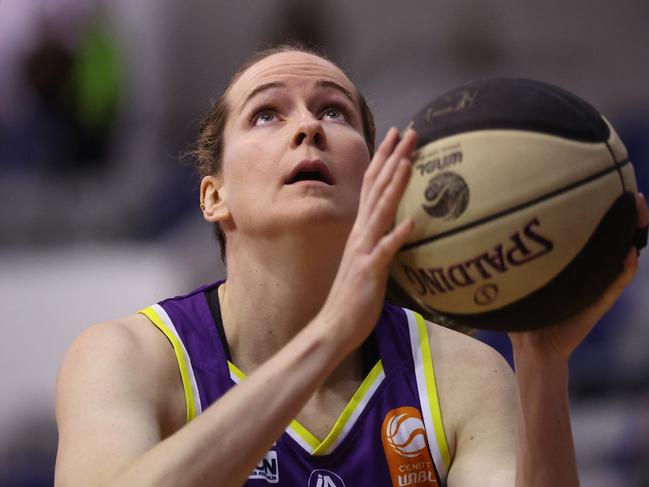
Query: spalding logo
[[486, 294], [447, 195], [406, 435]]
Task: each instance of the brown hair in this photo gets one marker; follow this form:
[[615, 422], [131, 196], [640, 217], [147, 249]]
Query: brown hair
[[208, 151]]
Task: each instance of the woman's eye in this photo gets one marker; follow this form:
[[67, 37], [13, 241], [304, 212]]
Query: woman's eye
[[264, 117], [333, 113]]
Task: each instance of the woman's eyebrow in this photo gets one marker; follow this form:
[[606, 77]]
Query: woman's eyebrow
[[332, 84], [278, 84], [259, 89]]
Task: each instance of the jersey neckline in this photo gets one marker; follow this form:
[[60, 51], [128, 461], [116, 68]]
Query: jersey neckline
[[373, 373]]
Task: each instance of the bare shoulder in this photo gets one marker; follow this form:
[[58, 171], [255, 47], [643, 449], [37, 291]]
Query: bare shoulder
[[462, 354], [120, 336], [475, 383], [133, 333], [118, 390], [129, 352], [121, 346]]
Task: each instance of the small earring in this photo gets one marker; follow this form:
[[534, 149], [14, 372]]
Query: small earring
[[202, 206]]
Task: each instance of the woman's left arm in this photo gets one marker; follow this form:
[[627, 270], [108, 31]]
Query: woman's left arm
[[545, 452], [544, 449]]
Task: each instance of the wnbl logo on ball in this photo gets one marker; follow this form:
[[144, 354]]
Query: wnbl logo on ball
[[447, 196]]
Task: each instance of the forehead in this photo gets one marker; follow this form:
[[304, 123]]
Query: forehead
[[289, 67]]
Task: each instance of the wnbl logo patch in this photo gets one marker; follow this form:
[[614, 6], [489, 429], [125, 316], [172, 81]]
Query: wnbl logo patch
[[406, 450]]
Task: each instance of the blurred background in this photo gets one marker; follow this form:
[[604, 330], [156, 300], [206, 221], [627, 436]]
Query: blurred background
[[98, 100]]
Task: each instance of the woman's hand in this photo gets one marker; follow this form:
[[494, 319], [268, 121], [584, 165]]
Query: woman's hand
[[357, 294], [557, 342]]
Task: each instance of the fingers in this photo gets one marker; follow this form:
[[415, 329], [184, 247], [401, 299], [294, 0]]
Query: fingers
[[615, 289], [387, 201], [403, 150], [393, 241], [643, 212], [382, 174], [382, 154], [383, 186], [625, 277], [642, 223], [629, 269]]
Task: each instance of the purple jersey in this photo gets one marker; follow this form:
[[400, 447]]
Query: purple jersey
[[389, 434]]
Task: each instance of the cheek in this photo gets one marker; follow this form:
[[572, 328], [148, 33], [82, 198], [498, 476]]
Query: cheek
[[359, 154], [243, 164], [241, 181]]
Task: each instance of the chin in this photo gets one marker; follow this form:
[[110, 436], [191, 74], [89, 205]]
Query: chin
[[318, 215]]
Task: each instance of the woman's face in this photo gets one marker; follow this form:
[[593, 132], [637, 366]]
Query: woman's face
[[294, 151]]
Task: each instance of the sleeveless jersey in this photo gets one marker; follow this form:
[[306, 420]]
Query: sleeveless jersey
[[389, 434]]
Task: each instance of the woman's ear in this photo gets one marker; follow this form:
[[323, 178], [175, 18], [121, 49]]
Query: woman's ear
[[212, 194]]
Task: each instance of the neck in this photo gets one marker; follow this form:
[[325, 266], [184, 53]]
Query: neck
[[274, 289]]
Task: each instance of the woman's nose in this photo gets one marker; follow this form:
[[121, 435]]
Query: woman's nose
[[309, 132]]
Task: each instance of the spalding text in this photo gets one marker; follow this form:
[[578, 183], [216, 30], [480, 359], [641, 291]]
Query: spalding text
[[522, 247]]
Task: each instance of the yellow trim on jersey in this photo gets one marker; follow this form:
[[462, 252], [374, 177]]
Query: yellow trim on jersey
[[355, 404], [431, 387], [356, 400], [236, 371], [311, 442], [180, 352], [308, 437]]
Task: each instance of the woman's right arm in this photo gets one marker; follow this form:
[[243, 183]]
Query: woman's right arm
[[113, 388]]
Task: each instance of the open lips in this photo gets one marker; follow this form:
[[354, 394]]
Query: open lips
[[307, 170]]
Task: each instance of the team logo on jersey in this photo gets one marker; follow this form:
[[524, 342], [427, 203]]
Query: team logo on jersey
[[405, 433], [267, 469], [325, 478], [404, 443]]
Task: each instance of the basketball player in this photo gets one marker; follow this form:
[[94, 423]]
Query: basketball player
[[294, 371]]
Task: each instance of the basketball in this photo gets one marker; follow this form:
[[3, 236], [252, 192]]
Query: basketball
[[523, 199]]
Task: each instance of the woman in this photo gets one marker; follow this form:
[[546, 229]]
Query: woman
[[308, 223]]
